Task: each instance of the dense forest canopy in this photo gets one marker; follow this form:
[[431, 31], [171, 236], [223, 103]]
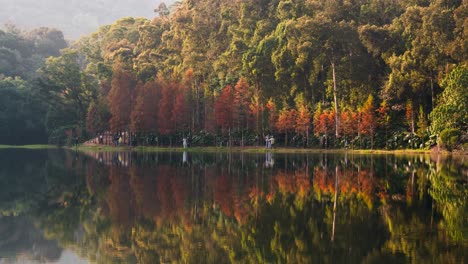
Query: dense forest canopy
[[372, 73]]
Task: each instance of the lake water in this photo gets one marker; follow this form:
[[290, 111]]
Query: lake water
[[59, 206]]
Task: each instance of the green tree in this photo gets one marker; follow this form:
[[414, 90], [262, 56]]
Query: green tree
[[450, 111]]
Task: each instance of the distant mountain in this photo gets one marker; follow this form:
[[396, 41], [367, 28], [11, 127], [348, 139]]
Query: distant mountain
[[74, 17]]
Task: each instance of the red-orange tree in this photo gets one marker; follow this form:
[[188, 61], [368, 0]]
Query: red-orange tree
[[224, 108], [368, 122], [181, 111], [144, 115], [303, 121], [120, 99], [272, 114], [166, 104], [286, 122], [242, 99]]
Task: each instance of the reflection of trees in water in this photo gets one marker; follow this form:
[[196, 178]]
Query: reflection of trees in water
[[22, 241], [227, 208]]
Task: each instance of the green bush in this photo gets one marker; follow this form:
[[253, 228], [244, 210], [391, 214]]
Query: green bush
[[449, 138]]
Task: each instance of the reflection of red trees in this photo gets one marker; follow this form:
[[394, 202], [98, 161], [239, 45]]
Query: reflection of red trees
[[242, 208], [351, 182], [165, 193], [223, 194], [234, 201], [143, 185], [324, 182], [293, 183], [119, 199]]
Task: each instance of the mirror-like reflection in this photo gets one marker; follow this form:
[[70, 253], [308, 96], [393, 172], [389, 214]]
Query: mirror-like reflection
[[232, 207]]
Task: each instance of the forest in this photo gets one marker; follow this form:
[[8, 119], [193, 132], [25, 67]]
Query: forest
[[368, 73]]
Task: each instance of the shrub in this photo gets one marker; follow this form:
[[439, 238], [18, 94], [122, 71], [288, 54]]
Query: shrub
[[449, 138]]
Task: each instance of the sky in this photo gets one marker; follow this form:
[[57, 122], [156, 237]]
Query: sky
[[74, 18]]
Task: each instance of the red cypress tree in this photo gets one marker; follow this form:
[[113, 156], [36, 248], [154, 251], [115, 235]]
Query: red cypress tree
[[242, 99], [330, 123], [256, 110], [181, 111], [166, 104], [303, 121], [384, 118], [286, 122], [368, 119], [349, 123], [144, 114], [224, 108], [319, 125], [120, 99], [272, 114]]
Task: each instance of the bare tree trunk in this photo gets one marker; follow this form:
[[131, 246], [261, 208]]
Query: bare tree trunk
[[335, 99]]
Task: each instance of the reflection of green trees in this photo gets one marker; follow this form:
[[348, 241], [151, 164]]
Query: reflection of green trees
[[450, 191], [225, 208]]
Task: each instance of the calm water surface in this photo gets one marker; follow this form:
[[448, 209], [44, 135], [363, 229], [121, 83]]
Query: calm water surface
[[60, 206]]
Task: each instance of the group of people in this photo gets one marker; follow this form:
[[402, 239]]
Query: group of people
[[269, 141], [117, 140]]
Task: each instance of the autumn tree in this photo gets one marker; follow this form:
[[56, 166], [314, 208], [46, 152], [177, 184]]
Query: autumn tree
[[368, 122], [384, 118], [303, 119], [242, 100], [272, 114], [256, 110], [120, 99], [144, 114], [181, 111], [349, 123], [224, 108], [286, 122], [409, 116], [165, 107]]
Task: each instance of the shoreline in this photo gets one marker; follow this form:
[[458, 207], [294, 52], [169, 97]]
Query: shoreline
[[248, 149]]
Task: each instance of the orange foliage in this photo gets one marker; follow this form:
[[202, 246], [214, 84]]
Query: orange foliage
[[349, 123], [120, 99], [224, 108], [303, 121], [286, 120], [324, 122], [166, 104], [181, 112], [242, 99], [272, 113], [144, 114]]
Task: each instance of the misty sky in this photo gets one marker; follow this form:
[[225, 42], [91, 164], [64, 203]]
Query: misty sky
[[74, 17]]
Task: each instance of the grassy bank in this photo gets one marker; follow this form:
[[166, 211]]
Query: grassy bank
[[27, 147], [247, 150]]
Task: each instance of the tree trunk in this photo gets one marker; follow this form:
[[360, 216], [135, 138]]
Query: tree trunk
[[335, 99]]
